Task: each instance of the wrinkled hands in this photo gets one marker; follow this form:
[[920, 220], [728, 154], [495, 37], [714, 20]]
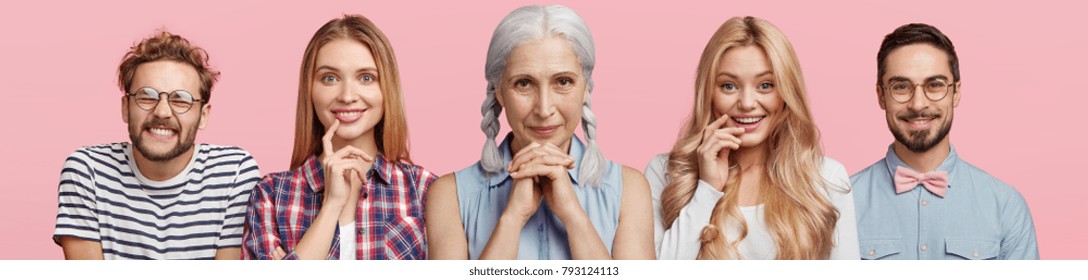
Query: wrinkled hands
[[541, 171]]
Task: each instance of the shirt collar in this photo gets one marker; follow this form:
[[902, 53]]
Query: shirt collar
[[891, 160], [315, 173], [577, 149]]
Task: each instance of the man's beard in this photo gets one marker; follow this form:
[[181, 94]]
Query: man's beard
[[185, 141], [917, 142]]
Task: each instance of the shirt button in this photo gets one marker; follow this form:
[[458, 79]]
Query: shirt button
[[925, 202], [923, 247], [872, 252], [975, 254], [362, 231]]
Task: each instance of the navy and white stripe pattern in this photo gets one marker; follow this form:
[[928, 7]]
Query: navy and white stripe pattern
[[103, 197]]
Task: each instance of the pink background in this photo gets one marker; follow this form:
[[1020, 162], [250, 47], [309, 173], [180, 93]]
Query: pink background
[[1022, 68]]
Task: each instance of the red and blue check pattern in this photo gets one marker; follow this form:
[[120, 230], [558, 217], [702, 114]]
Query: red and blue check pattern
[[388, 217]]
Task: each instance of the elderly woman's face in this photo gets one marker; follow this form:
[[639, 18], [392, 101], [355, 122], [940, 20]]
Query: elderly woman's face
[[543, 89]]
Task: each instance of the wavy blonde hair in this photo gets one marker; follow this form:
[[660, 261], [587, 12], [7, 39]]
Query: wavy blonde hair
[[798, 214]]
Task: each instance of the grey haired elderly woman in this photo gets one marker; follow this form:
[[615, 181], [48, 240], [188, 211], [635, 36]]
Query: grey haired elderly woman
[[542, 193]]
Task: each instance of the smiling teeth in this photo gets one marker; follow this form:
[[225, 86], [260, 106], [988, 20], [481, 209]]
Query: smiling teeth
[[748, 120], [162, 132], [348, 113]]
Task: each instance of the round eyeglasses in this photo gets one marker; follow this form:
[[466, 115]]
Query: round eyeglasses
[[903, 91], [147, 98]]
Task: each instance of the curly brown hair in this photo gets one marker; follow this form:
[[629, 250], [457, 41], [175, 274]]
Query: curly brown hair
[[167, 46]]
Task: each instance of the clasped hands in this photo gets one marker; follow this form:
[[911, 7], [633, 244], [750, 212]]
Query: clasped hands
[[540, 171]]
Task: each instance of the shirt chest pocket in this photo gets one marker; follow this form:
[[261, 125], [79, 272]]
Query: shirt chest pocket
[[972, 249], [879, 249], [403, 238]]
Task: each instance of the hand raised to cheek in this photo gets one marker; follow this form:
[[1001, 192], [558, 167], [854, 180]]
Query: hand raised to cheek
[[714, 152], [341, 166]]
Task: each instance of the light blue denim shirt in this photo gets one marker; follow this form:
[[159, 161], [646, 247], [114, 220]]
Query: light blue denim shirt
[[483, 198], [979, 218]]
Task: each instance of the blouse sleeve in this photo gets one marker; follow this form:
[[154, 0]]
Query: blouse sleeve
[[681, 240], [840, 195]]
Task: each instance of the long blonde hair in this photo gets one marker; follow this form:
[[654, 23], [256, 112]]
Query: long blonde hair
[[391, 132], [798, 215]]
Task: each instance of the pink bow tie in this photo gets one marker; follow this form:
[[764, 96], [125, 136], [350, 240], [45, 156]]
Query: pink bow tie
[[934, 181]]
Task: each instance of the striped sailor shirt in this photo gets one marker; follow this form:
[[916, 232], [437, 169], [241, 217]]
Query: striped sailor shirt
[[103, 197]]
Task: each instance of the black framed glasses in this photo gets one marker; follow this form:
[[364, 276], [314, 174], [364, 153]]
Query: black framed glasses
[[903, 91], [147, 98]]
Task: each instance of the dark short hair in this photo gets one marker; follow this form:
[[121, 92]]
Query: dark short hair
[[916, 33]]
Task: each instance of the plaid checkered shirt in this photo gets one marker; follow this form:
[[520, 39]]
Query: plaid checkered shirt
[[388, 215]]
